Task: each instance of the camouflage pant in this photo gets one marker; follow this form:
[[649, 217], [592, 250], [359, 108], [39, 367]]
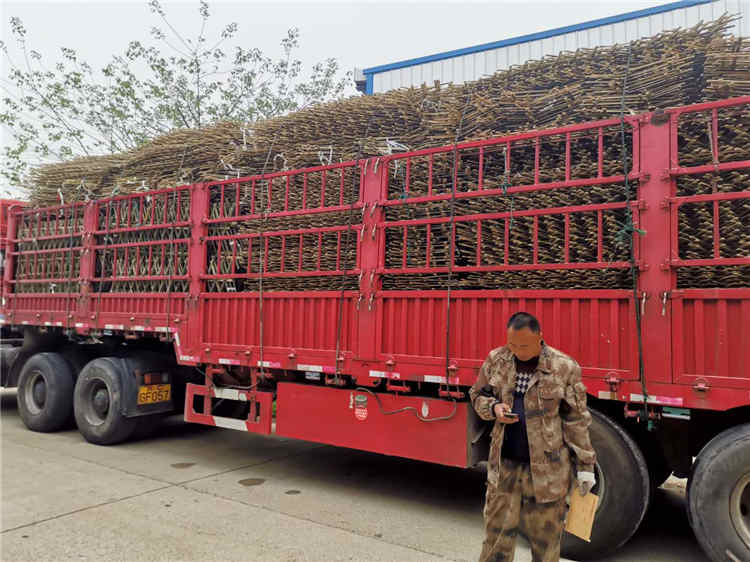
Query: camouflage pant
[[511, 508]]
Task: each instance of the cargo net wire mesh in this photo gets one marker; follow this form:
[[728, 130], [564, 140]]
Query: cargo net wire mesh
[[48, 250], [716, 229], [296, 231], [517, 235], [141, 243]]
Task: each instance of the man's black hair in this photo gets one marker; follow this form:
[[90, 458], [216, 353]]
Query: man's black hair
[[521, 320]]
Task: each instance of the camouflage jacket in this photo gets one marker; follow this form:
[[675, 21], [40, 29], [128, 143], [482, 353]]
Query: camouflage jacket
[[557, 419]]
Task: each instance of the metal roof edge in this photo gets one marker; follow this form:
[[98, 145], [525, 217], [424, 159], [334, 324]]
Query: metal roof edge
[[538, 35]]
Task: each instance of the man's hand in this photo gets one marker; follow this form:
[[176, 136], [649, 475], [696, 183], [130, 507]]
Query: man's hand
[[500, 410], [586, 481]]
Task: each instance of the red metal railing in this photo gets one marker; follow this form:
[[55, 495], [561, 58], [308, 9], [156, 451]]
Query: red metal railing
[[254, 207], [735, 159], [124, 254], [323, 190], [47, 248], [474, 184]]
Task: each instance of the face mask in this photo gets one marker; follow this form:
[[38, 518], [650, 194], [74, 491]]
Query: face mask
[[524, 343]]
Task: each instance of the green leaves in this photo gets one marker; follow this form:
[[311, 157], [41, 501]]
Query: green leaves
[[69, 109]]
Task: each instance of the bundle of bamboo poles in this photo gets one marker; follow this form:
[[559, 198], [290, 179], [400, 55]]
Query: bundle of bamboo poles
[[673, 68]]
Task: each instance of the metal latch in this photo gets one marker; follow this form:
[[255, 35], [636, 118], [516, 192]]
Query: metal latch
[[613, 382], [701, 385]]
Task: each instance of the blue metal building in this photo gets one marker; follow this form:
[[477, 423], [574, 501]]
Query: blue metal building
[[472, 63]]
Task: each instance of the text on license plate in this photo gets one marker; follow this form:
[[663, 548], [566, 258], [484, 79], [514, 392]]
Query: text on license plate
[[150, 393]]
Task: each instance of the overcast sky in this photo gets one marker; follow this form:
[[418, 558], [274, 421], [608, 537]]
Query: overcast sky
[[361, 34], [357, 33]]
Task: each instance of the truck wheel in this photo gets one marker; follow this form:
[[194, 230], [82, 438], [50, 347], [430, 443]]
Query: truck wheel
[[719, 495], [97, 403], [45, 392], [623, 488]]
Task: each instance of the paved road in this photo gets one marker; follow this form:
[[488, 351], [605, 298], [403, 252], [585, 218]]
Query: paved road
[[197, 493]]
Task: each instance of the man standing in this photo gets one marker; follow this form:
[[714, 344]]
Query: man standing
[[535, 396]]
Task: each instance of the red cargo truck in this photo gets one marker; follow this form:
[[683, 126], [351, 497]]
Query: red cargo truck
[[372, 364]]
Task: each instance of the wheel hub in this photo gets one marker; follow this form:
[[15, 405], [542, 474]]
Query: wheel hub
[[35, 393], [739, 508], [100, 402], [39, 392]]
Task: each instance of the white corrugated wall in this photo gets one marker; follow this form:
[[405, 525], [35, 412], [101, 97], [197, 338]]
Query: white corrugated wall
[[475, 65]]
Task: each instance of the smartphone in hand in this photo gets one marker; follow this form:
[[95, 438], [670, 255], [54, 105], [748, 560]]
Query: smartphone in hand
[[511, 415]]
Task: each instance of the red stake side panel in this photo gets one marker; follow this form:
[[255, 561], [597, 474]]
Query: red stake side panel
[[710, 328], [710, 335], [300, 329], [353, 418], [595, 327]]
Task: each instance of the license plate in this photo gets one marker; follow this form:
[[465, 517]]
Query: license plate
[[152, 393]]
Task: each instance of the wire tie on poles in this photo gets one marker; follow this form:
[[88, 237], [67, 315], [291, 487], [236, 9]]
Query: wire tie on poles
[[326, 160]]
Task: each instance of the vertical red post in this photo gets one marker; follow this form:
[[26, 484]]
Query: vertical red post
[[198, 230], [87, 268], [8, 272], [199, 211], [373, 188], [656, 276]]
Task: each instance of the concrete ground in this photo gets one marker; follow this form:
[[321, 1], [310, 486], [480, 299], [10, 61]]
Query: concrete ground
[[198, 493]]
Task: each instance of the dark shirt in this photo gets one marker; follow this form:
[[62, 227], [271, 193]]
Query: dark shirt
[[516, 440]]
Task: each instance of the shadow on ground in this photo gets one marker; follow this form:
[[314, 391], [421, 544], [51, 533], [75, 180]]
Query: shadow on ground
[[665, 534]]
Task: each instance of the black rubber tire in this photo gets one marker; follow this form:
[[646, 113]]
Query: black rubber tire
[[721, 465], [658, 470], [56, 409], [106, 425], [623, 486]]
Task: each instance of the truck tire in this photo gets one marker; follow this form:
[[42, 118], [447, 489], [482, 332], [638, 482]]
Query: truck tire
[[97, 403], [623, 486], [719, 496], [8, 355], [45, 392]]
